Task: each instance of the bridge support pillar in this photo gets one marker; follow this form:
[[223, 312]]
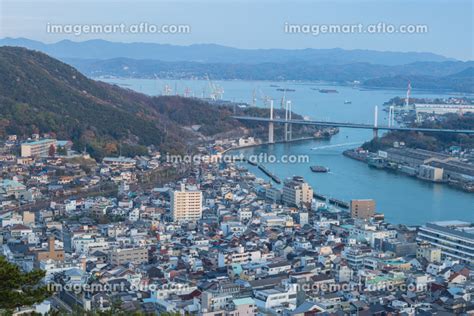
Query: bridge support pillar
[[376, 133], [270, 133]]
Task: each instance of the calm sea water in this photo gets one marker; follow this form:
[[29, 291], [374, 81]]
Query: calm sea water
[[402, 199]]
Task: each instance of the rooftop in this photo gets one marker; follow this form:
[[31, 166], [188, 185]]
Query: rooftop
[[39, 142], [243, 301]]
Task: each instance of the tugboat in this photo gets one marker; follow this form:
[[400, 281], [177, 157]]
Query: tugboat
[[319, 169]]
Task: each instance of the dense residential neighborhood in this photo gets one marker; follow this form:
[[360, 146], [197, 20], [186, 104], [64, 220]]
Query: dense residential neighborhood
[[217, 240]]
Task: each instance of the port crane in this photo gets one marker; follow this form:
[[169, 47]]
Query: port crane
[[166, 88], [216, 91], [265, 98]]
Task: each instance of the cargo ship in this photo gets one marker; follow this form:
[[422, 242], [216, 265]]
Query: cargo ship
[[319, 169]]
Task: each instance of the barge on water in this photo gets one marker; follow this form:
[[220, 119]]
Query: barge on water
[[268, 173], [319, 197], [319, 169], [328, 91], [339, 203], [253, 163]]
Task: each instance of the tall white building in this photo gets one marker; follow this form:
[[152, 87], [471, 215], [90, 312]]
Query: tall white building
[[186, 205], [297, 192]]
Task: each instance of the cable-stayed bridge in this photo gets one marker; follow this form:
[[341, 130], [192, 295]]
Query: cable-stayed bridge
[[288, 122]]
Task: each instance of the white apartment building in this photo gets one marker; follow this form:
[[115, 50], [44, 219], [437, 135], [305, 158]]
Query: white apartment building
[[297, 192], [186, 205], [238, 255], [39, 148], [454, 238], [277, 299]]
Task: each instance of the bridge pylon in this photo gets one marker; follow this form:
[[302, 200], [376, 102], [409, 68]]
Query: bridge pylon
[[289, 132], [376, 123], [287, 106], [270, 125]]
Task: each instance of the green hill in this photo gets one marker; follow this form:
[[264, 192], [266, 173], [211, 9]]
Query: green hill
[[40, 94]]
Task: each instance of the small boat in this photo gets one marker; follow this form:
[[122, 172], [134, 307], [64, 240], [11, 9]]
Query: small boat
[[274, 86], [286, 90], [328, 91], [347, 102], [319, 169]]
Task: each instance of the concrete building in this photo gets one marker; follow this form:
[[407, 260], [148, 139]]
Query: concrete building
[[273, 194], [276, 299], [136, 255], [39, 148], [245, 306], [440, 109], [454, 238], [430, 173], [11, 188], [423, 161], [362, 209], [416, 157], [297, 192], [120, 162], [238, 255], [430, 253], [303, 218], [51, 253], [186, 205]]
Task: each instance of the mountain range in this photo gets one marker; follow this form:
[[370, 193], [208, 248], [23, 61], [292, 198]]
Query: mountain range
[[212, 53], [372, 69], [423, 75]]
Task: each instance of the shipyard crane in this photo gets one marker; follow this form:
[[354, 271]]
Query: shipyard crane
[[166, 89], [216, 90], [265, 98]]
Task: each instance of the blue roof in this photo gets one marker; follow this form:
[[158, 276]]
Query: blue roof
[[243, 301], [11, 183]]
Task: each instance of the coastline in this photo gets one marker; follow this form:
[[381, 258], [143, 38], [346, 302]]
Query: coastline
[[351, 153], [338, 203], [275, 142]]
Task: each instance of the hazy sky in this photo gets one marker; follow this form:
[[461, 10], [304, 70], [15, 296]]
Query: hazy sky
[[255, 24]]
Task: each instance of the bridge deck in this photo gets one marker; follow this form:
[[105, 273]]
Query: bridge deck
[[354, 125]]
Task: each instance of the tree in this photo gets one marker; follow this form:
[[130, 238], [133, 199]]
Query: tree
[[19, 288], [51, 151], [61, 150]]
